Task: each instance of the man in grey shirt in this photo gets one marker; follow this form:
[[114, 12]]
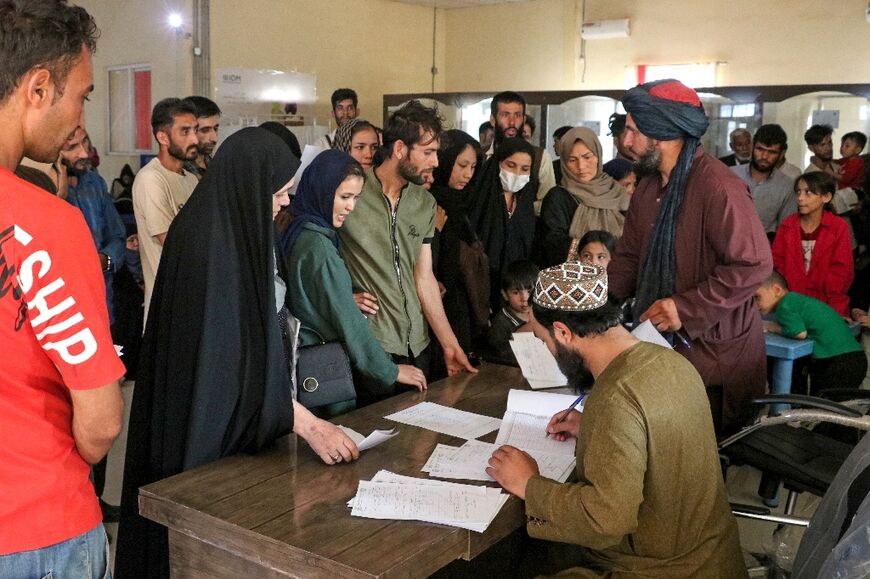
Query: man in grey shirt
[[772, 191]]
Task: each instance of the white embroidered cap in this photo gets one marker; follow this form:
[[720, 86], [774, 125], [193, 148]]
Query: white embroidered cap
[[572, 286]]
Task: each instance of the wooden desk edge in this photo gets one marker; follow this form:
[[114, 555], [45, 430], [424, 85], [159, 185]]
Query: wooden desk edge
[[238, 541]]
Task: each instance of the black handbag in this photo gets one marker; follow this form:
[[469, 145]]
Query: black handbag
[[323, 374]]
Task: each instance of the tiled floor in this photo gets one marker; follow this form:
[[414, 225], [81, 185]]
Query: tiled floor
[[741, 484]]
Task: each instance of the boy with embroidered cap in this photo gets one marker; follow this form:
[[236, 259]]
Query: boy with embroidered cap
[[650, 500]]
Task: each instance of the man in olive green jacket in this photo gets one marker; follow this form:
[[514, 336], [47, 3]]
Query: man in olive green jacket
[[650, 500]]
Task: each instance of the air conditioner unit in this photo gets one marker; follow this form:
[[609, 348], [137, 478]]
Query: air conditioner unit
[[605, 29]]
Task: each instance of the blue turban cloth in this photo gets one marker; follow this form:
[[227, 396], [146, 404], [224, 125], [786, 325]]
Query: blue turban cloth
[[665, 110], [315, 196]]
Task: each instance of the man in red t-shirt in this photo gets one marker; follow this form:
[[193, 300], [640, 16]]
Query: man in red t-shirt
[[60, 402]]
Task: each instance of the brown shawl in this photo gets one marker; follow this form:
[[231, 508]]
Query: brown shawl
[[601, 201]]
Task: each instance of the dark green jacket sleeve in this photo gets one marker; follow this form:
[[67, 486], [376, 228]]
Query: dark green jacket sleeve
[[320, 294]]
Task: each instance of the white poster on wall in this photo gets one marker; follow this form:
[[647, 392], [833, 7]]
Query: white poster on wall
[[249, 86]]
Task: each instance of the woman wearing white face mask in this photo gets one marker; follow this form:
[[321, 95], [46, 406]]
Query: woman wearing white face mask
[[504, 214], [587, 200]]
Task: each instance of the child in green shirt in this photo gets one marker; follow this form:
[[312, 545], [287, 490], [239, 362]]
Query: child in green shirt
[[838, 360]]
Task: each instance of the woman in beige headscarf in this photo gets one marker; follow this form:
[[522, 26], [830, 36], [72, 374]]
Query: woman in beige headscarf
[[585, 200]]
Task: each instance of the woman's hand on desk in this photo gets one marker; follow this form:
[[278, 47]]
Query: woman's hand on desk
[[412, 376], [566, 428], [327, 440]]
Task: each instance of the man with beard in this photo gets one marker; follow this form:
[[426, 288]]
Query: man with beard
[[616, 124], [772, 192], [60, 403], [740, 141], [386, 244], [208, 122], [650, 500], [88, 191], [693, 250], [819, 141], [162, 187], [508, 116]]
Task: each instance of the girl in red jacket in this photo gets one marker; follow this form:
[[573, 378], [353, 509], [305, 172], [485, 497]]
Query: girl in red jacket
[[813, 247]]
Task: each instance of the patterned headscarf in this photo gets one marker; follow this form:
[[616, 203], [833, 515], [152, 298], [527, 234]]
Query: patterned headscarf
[[343, 135]]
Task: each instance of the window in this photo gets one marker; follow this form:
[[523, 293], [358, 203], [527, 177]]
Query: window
[[693, 75], [130, 109]]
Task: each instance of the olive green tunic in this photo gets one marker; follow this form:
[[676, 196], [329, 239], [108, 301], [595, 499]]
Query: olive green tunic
[[651, 501]]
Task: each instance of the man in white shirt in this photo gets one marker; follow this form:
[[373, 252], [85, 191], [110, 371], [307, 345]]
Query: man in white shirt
[[162, 187], [508, 115], [344, 108]]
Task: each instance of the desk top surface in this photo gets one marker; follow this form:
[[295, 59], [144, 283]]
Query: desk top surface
[[288, 510]]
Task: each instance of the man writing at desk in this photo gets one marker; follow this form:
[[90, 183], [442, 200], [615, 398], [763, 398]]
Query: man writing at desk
[[650, 499]]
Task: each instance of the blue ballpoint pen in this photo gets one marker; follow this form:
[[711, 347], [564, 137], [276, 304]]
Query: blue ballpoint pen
[[567, 411]]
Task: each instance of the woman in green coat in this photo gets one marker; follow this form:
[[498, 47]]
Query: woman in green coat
[[319, 288]]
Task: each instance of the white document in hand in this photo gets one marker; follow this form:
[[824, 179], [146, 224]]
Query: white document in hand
[[647, 332], [446, 420], [370, 441], [537, 363]]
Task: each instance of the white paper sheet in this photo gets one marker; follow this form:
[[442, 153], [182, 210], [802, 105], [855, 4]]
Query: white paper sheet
[[446, 420], [538, 365], [370, 441], [308, 155], [647, 332], [391, 496]]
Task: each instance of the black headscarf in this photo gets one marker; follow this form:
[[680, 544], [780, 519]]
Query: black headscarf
[[315, 196], [453, 143], [285, 135], [505, 240], [212, 377], [665, 110]]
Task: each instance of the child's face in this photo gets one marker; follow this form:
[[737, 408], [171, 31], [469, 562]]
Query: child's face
[[766, 298], [809, 202], [517, 299], [595, 253], [849, 148]]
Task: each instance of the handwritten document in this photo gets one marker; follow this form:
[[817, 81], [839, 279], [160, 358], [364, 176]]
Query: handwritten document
[[370, 441], [470, 460], [537, 363], [391, 496], [446, 420]]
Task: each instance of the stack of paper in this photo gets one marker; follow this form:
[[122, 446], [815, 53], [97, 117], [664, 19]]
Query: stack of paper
[[370, 441], [470, 460], [537, 363], [393, 496], [446, 420]]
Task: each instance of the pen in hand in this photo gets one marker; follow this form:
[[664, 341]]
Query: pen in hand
[[567, 411]]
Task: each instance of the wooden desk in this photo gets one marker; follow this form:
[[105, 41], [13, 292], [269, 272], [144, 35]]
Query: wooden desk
[[283, 513]]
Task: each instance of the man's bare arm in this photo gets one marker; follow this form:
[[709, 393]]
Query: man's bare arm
[[97, 417]]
